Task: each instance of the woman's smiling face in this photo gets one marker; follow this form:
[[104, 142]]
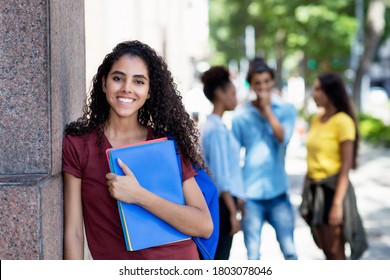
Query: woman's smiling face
[[127, 86]]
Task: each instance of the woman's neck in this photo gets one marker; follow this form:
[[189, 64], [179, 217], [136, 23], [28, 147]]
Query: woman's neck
[[123, 131], [218, 109], [328, 112]]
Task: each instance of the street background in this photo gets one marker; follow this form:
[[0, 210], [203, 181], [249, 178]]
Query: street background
[[371, 182]]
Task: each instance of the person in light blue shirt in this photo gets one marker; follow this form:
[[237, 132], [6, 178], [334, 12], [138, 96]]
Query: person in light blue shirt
[[264, 127], [222, 154]]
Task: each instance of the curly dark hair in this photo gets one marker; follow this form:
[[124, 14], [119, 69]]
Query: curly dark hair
[[214, 78], [335, 90], [163, 111]]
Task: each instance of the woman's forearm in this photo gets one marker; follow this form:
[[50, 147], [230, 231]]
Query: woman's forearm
[[188, 219], [346, 150], [73, 247]]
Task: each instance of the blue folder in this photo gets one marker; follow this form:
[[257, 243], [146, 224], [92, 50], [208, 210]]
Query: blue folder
[[156, 167]]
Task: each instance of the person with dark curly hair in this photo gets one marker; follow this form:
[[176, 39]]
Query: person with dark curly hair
[[133, 99], [222, 154]]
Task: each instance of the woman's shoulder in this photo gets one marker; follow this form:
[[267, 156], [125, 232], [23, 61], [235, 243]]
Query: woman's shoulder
[[213, 122], [212, 131], [77, 140], [342, 117]]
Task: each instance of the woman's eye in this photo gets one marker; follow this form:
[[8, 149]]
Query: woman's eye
[[117, 78], [139, 82]]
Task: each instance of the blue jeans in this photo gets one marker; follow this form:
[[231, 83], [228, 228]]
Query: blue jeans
[[280, 215]]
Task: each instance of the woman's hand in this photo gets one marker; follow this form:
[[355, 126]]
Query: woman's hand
[[124, 188], [235, 224], [336, 215], [193, 218], [241, 206]]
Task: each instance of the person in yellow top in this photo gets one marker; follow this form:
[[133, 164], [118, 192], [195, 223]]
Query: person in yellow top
[[328, 200], [323, 143]]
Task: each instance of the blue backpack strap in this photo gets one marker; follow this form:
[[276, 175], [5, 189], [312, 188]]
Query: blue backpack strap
[[206, 246]]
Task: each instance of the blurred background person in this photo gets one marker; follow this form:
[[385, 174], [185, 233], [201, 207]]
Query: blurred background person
[[222, 154], [264, 127], [329, 203]]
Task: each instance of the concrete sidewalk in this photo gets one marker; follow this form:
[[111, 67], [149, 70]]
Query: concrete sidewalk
[[372, 187]]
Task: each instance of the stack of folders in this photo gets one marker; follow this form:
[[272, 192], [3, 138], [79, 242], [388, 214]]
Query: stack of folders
[[156, 167]]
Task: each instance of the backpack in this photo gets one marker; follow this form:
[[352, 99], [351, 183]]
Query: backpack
[[206, 246]]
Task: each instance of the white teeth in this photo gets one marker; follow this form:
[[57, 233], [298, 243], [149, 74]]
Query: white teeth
[[125, 100]]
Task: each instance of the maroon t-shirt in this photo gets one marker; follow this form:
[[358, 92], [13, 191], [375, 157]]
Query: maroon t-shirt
[[81, 158]]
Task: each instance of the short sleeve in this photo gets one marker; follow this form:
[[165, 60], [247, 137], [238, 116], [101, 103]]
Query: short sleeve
[[71, 160], [347, 129], [187, 170]]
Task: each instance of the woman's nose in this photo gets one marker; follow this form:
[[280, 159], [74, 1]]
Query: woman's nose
[[127, 87]]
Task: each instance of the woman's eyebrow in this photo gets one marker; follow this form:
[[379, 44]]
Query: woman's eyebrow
[[116, 72], [140, 76]]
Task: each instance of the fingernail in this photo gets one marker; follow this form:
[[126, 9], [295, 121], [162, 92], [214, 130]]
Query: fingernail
[[119, 160]]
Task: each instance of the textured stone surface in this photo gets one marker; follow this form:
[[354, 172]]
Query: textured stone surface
[[24, 110], [19, 222], [52, 219], [31, 224], [42, 87], [67, 66]]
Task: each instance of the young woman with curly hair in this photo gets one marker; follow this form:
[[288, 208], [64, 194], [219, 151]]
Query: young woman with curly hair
[[133, 99]]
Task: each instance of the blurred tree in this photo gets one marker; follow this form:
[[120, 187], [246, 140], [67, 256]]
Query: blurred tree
[[284, 28], [228, 19], [374, 29], [317, 33]]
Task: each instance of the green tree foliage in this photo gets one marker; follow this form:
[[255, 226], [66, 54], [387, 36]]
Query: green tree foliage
[[312, 36], [319, 32], [227, 19]]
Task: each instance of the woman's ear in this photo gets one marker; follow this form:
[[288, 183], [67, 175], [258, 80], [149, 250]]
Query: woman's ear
[[219, 94]]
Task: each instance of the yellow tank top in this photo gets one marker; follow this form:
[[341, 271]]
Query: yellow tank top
[[323, 144]]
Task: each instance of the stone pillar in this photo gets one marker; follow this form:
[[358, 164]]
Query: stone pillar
[[42, 87]]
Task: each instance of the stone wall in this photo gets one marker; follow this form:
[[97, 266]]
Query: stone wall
[[42, 87]]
